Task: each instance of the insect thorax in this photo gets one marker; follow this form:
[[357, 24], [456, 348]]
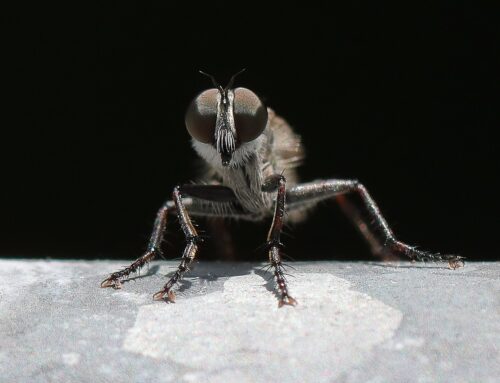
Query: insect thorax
[[276, 150]]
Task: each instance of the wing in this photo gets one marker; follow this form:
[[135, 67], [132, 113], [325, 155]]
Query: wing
[[286, 150]]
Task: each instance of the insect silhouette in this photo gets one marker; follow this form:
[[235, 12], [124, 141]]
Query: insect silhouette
[[251, 155]]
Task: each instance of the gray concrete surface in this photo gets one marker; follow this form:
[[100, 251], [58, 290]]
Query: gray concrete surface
[[355, 322]]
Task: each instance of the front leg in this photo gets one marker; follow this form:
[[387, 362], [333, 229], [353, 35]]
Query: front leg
[[207, 201], [192, 239], [309, 194], [153, 251], [278, 182]]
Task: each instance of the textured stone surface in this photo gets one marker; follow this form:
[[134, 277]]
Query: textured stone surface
[[355, 322]]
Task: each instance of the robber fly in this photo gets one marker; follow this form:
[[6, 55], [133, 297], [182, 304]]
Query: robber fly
[[251, 155]]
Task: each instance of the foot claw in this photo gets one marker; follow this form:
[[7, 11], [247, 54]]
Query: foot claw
[[456, 263], [111, 282], [402, 249], [160, 296], [287, 300]]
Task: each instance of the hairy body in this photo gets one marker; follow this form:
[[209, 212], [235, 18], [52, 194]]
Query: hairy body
[[278, 150]]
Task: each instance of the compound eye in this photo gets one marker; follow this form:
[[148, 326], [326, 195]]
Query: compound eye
[[250, 115], [201, 116]]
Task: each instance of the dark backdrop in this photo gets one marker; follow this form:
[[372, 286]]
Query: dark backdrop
[[400, 98]]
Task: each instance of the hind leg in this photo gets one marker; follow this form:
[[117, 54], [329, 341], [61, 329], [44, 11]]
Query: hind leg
[[308, 194]]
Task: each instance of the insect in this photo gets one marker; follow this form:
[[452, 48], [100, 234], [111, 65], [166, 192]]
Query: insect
[[251, 156]]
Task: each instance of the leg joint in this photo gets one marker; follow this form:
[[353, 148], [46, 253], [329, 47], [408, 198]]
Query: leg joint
[[273, 182], [195, 239], [274, 243], [177, 190], [357, 184]]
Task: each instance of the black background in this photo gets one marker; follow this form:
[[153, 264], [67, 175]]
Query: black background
[[401, 98]]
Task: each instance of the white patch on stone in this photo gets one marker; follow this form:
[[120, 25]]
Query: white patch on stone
[[138, 299], [71, 358], [242, 332], [407, 342]]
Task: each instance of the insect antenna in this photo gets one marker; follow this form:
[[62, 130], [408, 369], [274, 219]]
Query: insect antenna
[[217, 85], [231, 81], [214, 81]]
